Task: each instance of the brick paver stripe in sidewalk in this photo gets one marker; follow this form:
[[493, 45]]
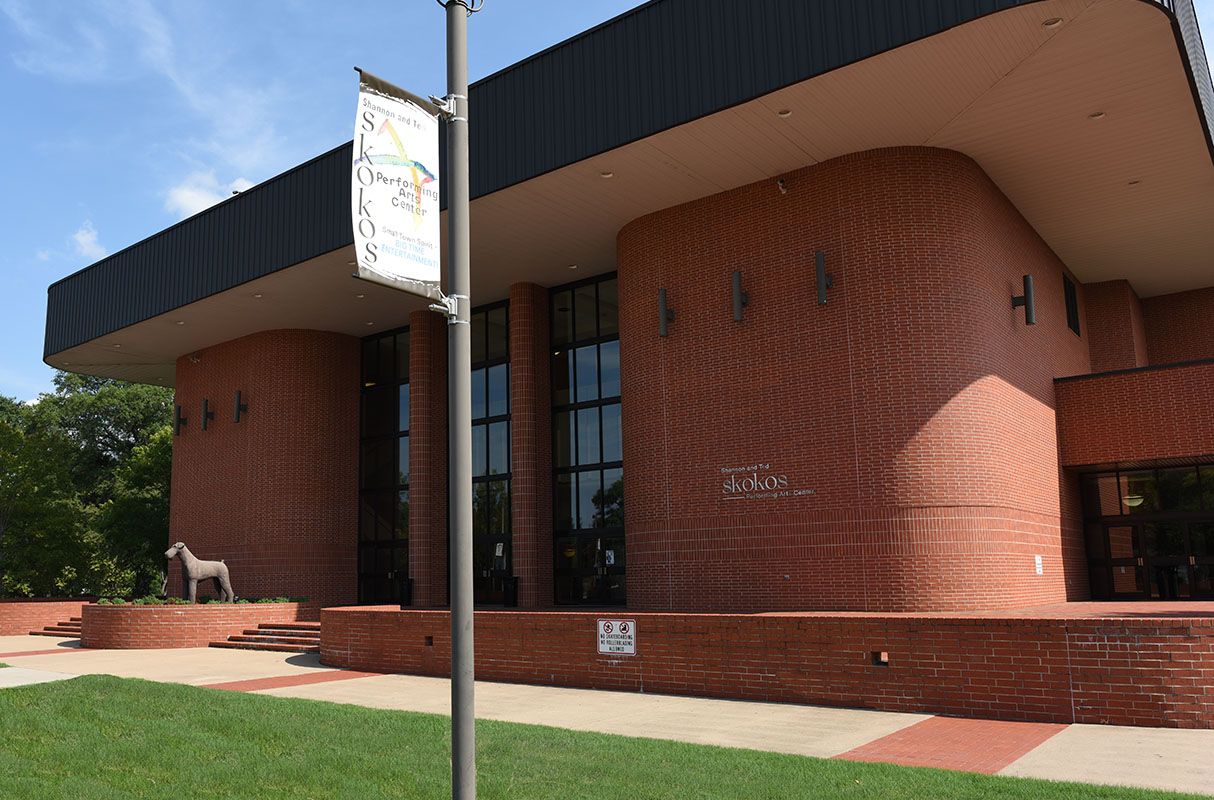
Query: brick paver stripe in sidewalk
[[283, 681], [21, 653], [969, 745]]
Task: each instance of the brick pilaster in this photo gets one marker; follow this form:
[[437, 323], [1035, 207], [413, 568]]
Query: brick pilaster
[[531, 444], [428, 458]]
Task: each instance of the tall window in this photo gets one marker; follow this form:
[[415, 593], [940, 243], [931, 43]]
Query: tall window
[[491, 541], [383, 526], [1071, 295], [588, 530]]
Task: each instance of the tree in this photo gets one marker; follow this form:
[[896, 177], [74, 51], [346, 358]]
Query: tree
[[106, 419], [43, 527], [135, 520], [84, 487]]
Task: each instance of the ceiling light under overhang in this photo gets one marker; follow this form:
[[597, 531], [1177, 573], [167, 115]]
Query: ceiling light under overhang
[[257, 296], [606, 174], [784, 113], [1096, 115], [1052, 22]]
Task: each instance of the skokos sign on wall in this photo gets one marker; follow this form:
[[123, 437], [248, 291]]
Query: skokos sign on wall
[[757, 482], [394, 189]]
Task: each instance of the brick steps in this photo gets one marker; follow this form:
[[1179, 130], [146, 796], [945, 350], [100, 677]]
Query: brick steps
[[69, 629], [279, 637]]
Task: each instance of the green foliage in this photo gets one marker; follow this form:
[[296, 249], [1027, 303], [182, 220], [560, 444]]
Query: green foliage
[[84, 487]]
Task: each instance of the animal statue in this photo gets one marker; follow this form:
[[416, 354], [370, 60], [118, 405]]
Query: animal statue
[[194, 570]]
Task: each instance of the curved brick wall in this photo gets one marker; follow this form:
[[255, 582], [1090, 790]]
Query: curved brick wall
[[916, 405], [150, 627], [18, 617], [276, 495]]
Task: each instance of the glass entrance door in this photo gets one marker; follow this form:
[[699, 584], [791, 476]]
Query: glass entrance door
[[1201, 549], [1128, 580], [1150, 533], [1167, 560]]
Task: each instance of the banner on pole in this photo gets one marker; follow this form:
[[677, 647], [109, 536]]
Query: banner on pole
[[394, 188]]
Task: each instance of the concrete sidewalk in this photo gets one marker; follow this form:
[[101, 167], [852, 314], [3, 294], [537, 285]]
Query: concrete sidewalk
[[1158, 758]]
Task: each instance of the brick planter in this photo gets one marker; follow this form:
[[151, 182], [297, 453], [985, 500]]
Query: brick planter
[[149, 627], [1115, 670], [22, 616]]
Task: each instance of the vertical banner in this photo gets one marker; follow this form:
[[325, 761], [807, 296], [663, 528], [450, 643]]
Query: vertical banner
[[394, 189]]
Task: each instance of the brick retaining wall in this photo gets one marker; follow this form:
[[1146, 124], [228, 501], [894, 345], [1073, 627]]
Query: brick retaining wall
[[19, 617], [1122, 671], [145, 627]]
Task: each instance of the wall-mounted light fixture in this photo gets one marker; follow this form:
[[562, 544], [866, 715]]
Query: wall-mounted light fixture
[[207, 413], [824, 279], [741, 299], [179, 422], [241, 408], [1028, 301], [665, 313]]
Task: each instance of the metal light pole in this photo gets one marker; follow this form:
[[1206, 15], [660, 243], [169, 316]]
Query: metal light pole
[[459, 377]]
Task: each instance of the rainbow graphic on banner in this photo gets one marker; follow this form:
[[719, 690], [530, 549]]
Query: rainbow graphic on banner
[[421, 175]]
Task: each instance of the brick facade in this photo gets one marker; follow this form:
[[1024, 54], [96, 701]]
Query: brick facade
[[275, 495], [155, 627], [531, 444], [916, 405], [1116, 336], [428, 541], [1059, 667], [19, 617], [1142, 416], [1180, 327]]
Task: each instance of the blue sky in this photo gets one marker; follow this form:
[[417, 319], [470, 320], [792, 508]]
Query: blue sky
[[122, 117]]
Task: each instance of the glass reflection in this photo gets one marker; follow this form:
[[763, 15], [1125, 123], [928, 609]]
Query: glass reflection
[[613, 441], [609, 359]]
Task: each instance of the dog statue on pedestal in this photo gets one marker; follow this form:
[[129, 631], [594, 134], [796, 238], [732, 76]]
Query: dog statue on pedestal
[[194, 570]]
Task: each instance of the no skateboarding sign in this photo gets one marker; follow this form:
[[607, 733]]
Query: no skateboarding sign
[[617, 637]]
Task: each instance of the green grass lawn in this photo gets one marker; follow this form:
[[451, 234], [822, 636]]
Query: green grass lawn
[[103, 737]]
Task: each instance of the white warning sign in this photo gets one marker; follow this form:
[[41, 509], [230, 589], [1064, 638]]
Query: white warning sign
[[618, 637]]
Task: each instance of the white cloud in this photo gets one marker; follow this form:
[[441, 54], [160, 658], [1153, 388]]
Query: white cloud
[[200, 190], [43, 255], [85, 239], [228, 124]]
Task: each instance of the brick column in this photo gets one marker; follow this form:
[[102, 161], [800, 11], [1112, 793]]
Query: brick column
[[428, 458], [531, 444]]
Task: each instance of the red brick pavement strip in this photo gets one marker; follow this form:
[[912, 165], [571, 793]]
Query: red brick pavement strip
[[967, 745], [44, 652], [283, 681]]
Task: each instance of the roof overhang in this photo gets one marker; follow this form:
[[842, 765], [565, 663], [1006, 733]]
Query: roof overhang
[[1092, 126]]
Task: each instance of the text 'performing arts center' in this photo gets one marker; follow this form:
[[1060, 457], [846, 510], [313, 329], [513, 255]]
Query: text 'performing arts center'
[[821, 344]]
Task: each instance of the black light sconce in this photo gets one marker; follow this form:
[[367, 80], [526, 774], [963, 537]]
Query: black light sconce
[[1028, 301], [825, 280], [665, 314], [179, 422], [207, 413], [741, 299], [241, 408]]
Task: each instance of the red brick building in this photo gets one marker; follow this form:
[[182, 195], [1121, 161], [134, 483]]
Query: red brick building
[[871, 424]]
